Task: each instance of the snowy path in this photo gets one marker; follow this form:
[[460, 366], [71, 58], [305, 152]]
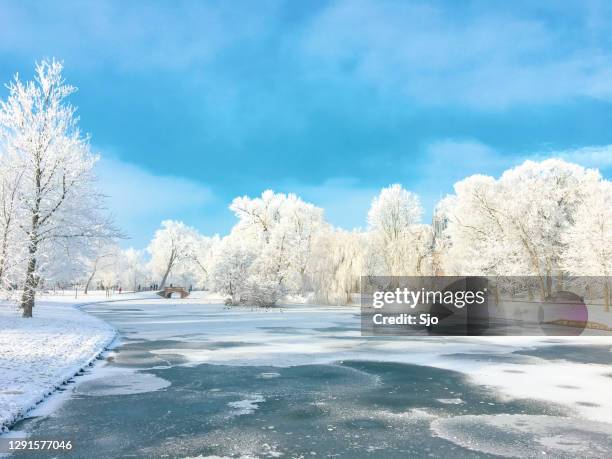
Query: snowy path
[[40, 354]]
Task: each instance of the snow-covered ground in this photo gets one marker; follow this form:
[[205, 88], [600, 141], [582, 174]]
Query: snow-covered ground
[[40, 354]]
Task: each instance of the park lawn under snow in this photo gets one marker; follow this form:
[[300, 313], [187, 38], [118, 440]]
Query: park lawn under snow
[[40, 354]]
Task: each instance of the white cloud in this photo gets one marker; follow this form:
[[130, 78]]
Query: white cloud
[[599, 157], [139, 200], [482, 57], [129, 35]]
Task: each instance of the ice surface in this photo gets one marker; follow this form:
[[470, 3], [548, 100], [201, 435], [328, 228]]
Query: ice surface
[[192, 331], [246, 406], [114, 381], [585, 388], [306, 334], [527, 435]]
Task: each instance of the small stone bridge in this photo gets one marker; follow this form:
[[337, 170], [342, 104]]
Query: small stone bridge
[[168, 291]]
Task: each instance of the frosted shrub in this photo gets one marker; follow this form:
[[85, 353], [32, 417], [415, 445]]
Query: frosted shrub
[[262, 292]]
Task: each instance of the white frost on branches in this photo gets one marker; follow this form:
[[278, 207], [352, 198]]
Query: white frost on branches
[[50, 205]]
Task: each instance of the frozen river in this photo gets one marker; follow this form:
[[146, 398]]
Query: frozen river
[[198, 380]]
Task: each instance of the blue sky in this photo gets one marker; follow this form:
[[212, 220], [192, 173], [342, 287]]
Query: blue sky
[[193, 103]]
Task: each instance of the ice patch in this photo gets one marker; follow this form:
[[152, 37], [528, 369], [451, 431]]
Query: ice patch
[[583, 387], [120, 382], [246, 406], [450, 401], [526, 435], [269, 375]]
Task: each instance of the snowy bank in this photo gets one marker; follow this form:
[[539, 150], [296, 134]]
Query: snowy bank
[[38, 355]]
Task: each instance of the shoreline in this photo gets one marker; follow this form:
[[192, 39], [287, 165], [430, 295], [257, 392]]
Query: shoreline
[[23, 388]]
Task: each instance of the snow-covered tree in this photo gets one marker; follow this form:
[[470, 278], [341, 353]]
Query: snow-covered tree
[[588, 242], [279, 229], [477, 231], [393, 211], [110, 271], [197, 265], [132, 269], [12, 249], [171, 245], [103, 255], [231, 268], [52, 163], [337, 264], [398, 245], [515, 225]]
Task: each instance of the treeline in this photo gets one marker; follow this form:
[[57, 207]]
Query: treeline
[[546, 219]]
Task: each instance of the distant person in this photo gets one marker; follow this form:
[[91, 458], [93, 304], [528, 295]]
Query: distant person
[[119, 290]]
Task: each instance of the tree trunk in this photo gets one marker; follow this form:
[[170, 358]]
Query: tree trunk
[[3, 256], [29, 288], [165, 278], [93, 273], [31, 281]]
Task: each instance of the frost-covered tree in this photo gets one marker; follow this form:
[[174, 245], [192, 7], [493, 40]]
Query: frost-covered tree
[[109, 273], [398, 245], [515, 225], [588, 242], [258, 216], [103, 255], [52, 162], [197, 265], [231, 268], [279, 229], [132, 269], [171, 246], [393, 211], [337, 264], [12, 249], [477, 229], [541, 202]]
